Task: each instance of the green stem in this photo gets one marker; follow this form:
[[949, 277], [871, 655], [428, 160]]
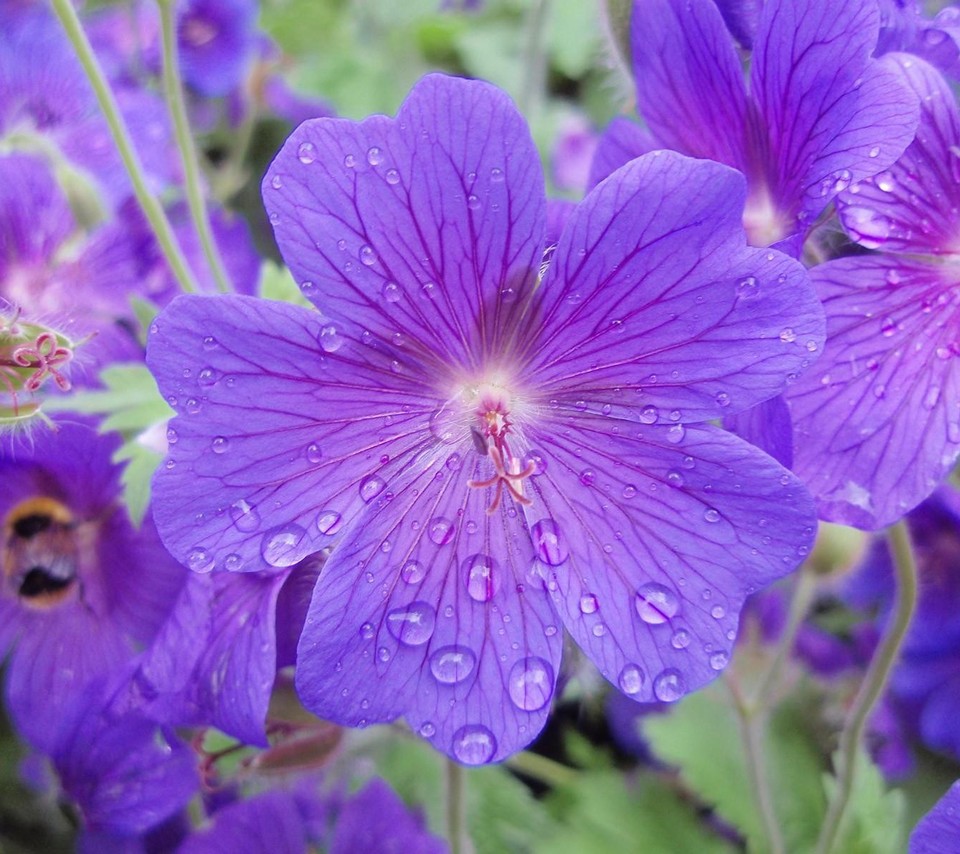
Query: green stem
[[456, 808], [151, 208], [535, 68], [540, 768], [173, 91], [905, 569]]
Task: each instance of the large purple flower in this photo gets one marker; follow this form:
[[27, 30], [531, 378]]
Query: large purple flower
[[815, 114], [491, 456], [877, 425]]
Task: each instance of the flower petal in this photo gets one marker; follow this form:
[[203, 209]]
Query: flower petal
[[426, 610], [877, 424], [655, 310], [287, 427], [649, 542], [430, 225], [621, 142]]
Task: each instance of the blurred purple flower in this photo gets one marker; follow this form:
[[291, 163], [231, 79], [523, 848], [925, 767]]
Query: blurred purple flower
[[81, 588], [876, 426], [217, 39], [815, 114], [572, 153], [489, 456]]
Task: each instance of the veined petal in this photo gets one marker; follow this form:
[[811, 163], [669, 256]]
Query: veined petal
[[914, 206], [690, 85], [287, 426], [654, 309], [768, 426], [655, 539], [833, 115], [877, 423], [426, 610], [430, 225]]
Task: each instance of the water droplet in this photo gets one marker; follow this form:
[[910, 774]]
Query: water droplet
[[172, 436], [481, 574], [276, 182], [329, 339], [285, 546], [428, 730], [587, 477], [718, 612], [233, 562], [599, 630], [629, 491], [441, 531], [788, 336], [391, 292], [413, 572], [374, 156], [538, 460], [675, 479], [452, 664], [367, 631], [443, 426], [888, 326], [496, 175], [530, 683], [723, 399], [675, 434], [656, 604], [349, 161], [329, 522], [669, 686], [371, 487], [412, 625], [306, 153], [711, 515], [630, 679], [207, 377], [367, 256], [549, 542], [748, 288], [392, 176], [383, 654], [199, 559], [874, 152], [648, 415], [473, 202], [719, 660], [588, 604], [474, 744], [680, 639], [245, 516], [220, 444]]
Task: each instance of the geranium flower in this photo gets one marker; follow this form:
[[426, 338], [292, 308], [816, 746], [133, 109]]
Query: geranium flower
[[491, 456]]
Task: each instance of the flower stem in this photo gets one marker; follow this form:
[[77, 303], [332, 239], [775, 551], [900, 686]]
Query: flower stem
[[173, 90], [541, 768], [456, 808], [905, 569], [151, 208], [535, 69]]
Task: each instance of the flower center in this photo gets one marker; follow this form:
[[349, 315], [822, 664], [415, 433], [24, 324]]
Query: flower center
[[40, 552]]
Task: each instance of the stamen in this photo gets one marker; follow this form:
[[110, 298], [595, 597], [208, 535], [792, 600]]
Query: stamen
[[501, 476]]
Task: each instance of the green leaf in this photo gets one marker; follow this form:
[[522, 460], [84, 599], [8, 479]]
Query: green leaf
[[141, 463], [604, 812], [277, 283], [573, 37], [874, 820]]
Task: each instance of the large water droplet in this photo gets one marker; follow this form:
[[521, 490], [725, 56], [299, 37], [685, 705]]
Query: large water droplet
[[530, 683], [371, 487], [245, 516], [412, 625], [441, 530], [285, 546], [630, 679], [549, 542], [329, 522], [413, 572], [481, 574], [656, 604], [669, 686], [452, 664], [374, 156], [474, 744], [444, 426], [329, 339]]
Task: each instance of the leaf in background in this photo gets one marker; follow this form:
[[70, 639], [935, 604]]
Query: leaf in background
[[573, 37], [873, 823], [141, 462], [277, 283]]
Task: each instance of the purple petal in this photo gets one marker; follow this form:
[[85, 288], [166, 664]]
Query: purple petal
[[429, 226], [914, 206], [426, 610], [655, 310], [876, 422], [216, 40], [939, 830], [690, 85], [742, 18], [287, 427], [768, 426], [621, 142], [833, 115]]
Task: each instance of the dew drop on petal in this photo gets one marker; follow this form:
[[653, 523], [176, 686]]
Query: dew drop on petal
[[329, 522], [285, 546], [329, 339], [371, 487], [452, 664], [588, 604], [412, 625], [629, 491], [538, 460], [630, 679], [530, 683], [675, 434], [313, 453], [427, 730], [413, 572], [656, 604], [233, 562], [220, 444], [276, 182], [244, 516], [367, 256], [441, 530], [711, 515], [391, 292], [718, 612], [392, 176], [306, 153], [374, 156], [481, 574], [367, 631], [474, 744], [496, 175], [549, 542], [788, 336], [719, 660], [648, 415], [199, 559], [669, 686], [680, 639]]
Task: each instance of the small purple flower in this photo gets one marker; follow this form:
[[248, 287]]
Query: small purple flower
[[815, 114], [217, 40], [876, 425], [491, 457], [939, 830], [81, 588]]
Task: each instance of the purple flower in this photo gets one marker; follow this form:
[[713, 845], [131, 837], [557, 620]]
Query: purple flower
[[217, 39], [939, 830], [876, 425], [81, 588], [816, 113], [491, 457]]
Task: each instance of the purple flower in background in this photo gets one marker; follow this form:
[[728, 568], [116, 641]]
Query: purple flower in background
[[490, 457], [877, 424], [81, 587], [816, 113], [217, 40], [939, 830]]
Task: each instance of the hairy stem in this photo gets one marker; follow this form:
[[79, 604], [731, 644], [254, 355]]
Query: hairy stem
[[151, 208], [173, 91], [905, 570]]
